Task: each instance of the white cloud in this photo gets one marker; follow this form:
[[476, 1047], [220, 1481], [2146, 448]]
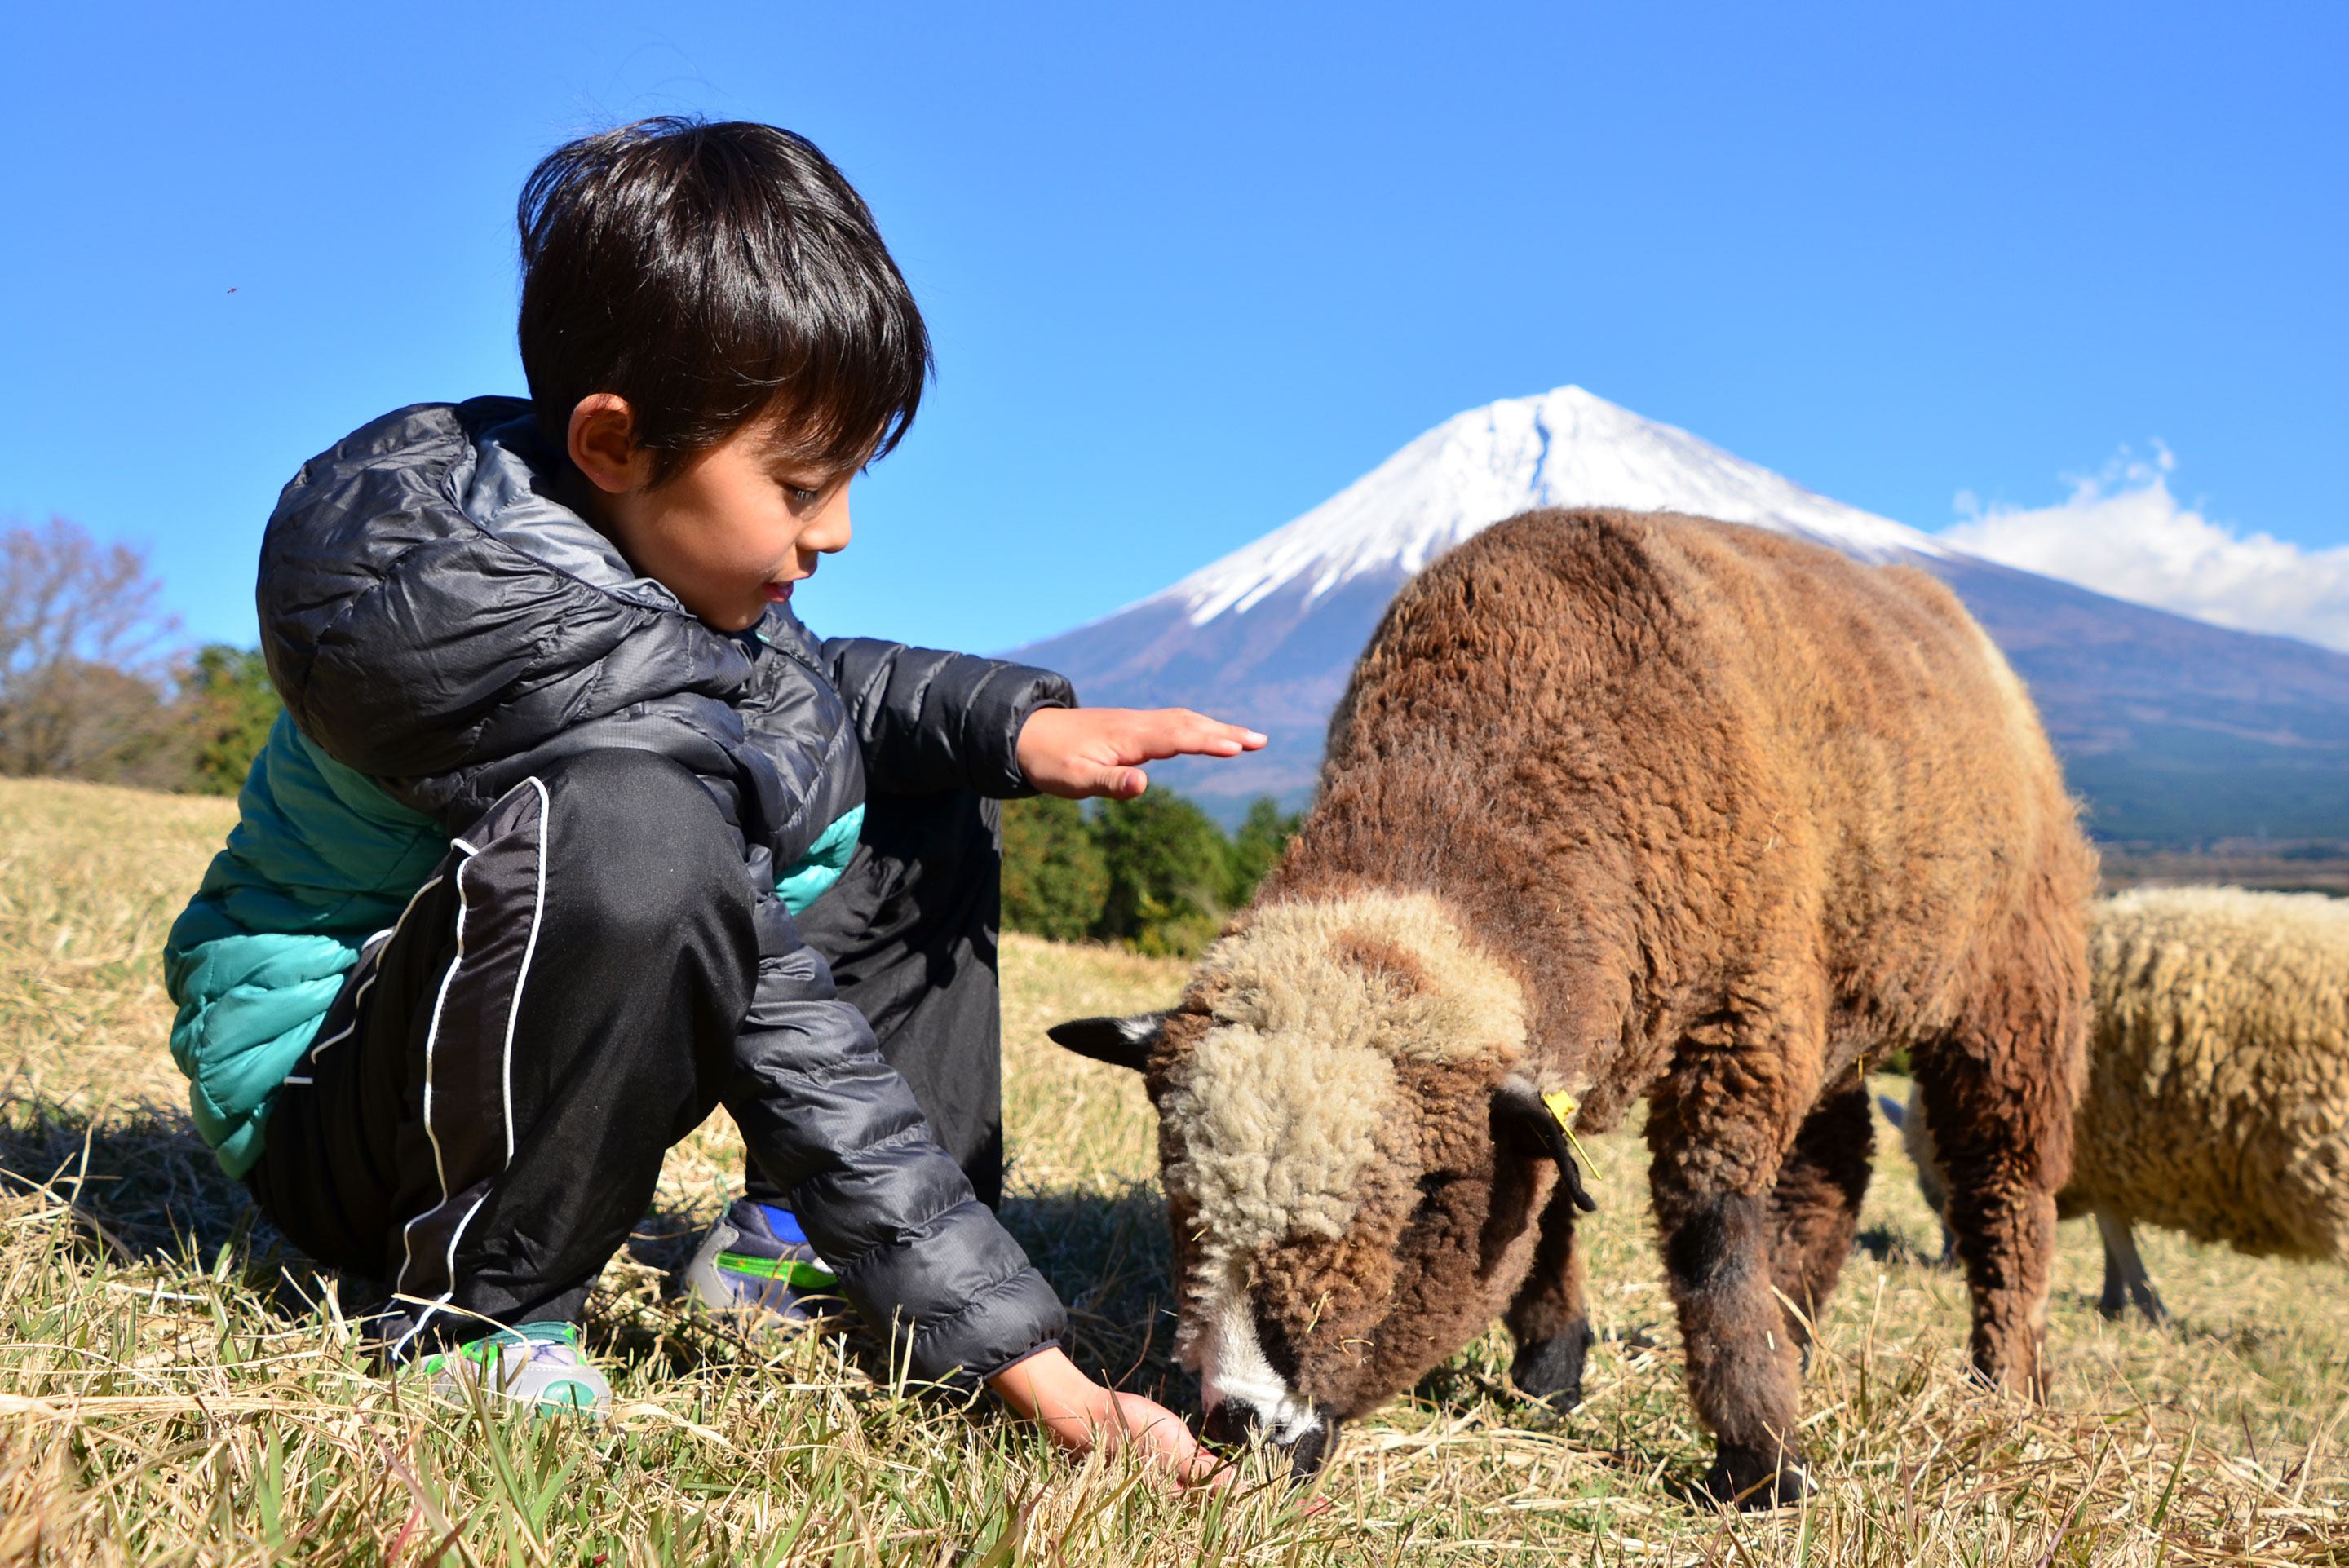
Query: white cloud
[[2123, 534]]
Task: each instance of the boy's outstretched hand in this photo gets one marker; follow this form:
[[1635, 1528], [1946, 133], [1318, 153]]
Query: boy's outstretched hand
[[1077, 752], [1083, 1416]]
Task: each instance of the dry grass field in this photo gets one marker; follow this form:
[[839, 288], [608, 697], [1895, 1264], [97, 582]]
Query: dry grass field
[[175, 1388]]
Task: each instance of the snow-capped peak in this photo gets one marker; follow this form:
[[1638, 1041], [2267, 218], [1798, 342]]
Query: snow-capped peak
[[1565, 447]]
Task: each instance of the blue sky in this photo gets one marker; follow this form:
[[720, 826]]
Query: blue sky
[[1191, 270]]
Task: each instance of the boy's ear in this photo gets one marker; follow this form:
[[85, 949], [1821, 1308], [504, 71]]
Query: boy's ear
[[602, 442], [1119, 1042]]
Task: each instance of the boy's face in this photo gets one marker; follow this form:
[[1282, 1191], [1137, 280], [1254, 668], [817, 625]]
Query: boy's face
[[729, 534]]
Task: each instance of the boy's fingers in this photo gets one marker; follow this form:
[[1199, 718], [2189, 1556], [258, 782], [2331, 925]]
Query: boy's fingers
[[1198, 732], [1177, 731], [1120, 783], [1166, 1438], [1206, 1471]]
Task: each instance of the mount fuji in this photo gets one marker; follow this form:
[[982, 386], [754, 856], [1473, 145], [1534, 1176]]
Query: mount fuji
[[2171, 728]]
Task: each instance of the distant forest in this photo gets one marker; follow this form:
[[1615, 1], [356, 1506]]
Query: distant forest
[[97, 684], [1154, 873]]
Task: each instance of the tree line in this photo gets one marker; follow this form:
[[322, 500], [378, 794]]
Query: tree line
[[97, 684], [1154, 873]]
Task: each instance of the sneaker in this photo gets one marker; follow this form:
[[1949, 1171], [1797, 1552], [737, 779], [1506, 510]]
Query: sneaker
[[538, 1365], [756, 1258]]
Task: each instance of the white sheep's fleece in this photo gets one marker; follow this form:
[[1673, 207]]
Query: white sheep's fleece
[[1278, 1110], [2217, 1098]]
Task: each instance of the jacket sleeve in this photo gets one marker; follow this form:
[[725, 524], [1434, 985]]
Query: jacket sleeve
[[918, 1256], [832, 1124], [931, 720]]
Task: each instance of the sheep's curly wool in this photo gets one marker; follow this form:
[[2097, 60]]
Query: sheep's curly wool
[[1284, 1096], [2218, 1097], [1621, 805]]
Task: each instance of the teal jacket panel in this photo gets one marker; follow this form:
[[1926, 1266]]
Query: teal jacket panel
[[321, 859], [814, 872]]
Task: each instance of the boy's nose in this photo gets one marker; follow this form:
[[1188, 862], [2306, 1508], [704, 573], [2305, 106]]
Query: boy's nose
[[831, 533]]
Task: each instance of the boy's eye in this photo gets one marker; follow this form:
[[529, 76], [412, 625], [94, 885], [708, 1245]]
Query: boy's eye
[[802, 496]]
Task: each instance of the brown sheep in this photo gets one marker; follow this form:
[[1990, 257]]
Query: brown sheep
[[1622, 805], [2217, 1084]]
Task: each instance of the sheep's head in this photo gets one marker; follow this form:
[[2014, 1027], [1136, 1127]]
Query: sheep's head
[[1352, 1153]]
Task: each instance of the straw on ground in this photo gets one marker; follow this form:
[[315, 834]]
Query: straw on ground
[[175, 1388]]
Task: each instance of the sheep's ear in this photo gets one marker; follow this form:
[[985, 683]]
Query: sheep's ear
[[1119, 1042], [1894, 1112], [1516, 1103]]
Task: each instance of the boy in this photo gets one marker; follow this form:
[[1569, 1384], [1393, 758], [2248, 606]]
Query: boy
[[510, 908]]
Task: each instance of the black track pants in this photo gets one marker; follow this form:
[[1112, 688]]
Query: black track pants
[[483, 1119], [909, 932]]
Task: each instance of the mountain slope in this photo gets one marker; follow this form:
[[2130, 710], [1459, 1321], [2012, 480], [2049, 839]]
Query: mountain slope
[[2171, 728]]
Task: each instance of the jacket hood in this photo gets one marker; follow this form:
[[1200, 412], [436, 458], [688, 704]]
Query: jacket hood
[[428, 609], [417, 578]]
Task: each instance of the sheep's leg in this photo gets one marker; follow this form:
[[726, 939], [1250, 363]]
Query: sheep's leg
[[1716, 1126], [1548, 1318], [2124, 1277], [1999, 1090], [1815, 1205]]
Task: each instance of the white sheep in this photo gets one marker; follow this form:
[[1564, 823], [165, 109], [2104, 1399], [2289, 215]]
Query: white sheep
[[2218, 1097]]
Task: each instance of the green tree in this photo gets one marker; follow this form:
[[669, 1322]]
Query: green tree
[[1055, 877], [1168, 867], [229, 706], [1256, 849]]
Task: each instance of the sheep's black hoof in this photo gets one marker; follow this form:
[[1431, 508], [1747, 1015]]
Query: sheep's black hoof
[[2113, 1305], [1757, 1479], [1551, 1371]]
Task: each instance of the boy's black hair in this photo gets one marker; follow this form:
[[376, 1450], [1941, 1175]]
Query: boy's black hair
[[709, 273]]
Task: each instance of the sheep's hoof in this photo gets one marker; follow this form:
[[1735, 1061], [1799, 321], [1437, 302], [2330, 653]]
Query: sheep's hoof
[[2113, 1305], [1551, 1371], [1757, 1479]]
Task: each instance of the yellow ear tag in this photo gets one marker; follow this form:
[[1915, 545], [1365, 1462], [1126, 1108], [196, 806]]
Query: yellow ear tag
[[1563, 1106]]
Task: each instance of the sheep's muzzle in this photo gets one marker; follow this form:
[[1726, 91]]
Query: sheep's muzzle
[[1235, 1422]]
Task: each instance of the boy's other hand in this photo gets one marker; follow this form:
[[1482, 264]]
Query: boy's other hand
[[1083, 1416], [1079, 752]]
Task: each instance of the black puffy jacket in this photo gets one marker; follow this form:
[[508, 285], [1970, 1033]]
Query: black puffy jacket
[[435, 620]]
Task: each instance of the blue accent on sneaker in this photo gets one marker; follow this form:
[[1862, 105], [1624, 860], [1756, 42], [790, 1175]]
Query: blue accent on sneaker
[[755, 1255]]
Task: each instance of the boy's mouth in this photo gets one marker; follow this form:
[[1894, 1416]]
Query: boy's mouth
[[779, 592]]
